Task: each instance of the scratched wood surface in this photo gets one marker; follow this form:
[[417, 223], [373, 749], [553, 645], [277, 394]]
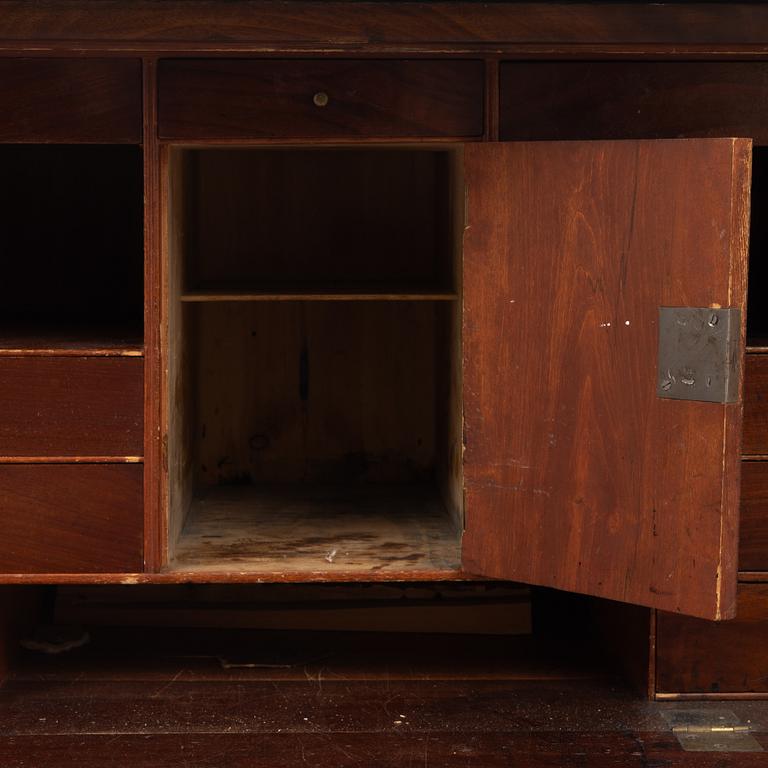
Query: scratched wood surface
[[302, 529], [577, 475]]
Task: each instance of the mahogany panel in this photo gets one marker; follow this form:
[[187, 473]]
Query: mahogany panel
[[633, 99], [343, 24], [577, 475], [244, 99], [70, 100], [695, 656], [71, 406], [753, 538], [71, 518], [755, 404]]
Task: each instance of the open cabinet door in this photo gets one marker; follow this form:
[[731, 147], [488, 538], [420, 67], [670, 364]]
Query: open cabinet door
[[583, 470]]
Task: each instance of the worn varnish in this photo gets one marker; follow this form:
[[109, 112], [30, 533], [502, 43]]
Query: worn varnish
[[71, 406], [753, 530], [544, 100], [318, 530], [241, 99], [70, 100], [699, 657], [577, 475], [71, 518]]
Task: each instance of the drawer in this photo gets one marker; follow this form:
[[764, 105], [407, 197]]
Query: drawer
[[756, 405], [753, 527], [245, 99], [71, 406], [633, 100], [80, 518], [696, 656], [71, 101]]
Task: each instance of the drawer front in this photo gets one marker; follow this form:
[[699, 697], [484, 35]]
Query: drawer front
[[70, 101], [756, 406], [696, 656], [753, 528], [84, 518], [71, 406], [238, 99], [623, 100]]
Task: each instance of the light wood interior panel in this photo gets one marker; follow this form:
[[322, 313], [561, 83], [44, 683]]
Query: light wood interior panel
[[340, 397]]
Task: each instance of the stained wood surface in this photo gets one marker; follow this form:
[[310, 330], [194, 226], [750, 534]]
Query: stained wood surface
[[271, 531], [344, 26], [70, 100], [241, 99], [77, 342], [753, 536], [577, 475], [702, 657], [71, 406], [756, 403], [356, 219], [71, 518], [550, 100]]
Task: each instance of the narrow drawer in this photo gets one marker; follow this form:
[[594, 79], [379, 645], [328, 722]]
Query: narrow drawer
[[633, 100], [696, 656], [243, 99], [71, 406], [81, 518], [756, 405], [753, 527], [70, 101]]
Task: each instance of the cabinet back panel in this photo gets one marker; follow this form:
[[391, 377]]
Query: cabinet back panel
[[315, 391], [334, 217]]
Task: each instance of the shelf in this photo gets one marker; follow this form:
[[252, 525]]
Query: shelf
[[317, 294], [73, 342], [368, 530]]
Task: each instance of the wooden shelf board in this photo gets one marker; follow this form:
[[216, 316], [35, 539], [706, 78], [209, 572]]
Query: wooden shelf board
[[318, 294], [318, 530], [63, 342]]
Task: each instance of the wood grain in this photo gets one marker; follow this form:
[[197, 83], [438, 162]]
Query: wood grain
[[577, 475], [753, 530], [71, 518], [70, 100], [699, 657], [755, 441], [341, 25], [272, 531], [71, 406], [241, 99], [550, 100]]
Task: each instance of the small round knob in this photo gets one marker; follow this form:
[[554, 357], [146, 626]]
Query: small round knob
[[320, 99]]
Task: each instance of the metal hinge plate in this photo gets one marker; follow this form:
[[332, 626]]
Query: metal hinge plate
[[711, 730], [699, 354]]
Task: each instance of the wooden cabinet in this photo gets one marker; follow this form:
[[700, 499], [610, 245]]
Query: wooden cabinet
[[380, 308]]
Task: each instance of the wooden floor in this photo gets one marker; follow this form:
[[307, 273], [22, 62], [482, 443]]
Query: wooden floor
[[319, 530], [270, 700]]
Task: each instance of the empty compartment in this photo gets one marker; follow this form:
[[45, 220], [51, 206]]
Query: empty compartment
[[72, 246], [315, 421]]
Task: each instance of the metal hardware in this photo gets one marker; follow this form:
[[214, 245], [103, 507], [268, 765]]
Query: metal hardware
[[710, 730], [320, 99], [699, 354]]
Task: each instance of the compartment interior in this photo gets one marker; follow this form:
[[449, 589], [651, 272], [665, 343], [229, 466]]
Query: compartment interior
[[72, 246], [314, 340]]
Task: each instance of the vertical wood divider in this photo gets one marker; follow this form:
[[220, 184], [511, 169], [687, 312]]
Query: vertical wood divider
[[491, 100], [153, 469]]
